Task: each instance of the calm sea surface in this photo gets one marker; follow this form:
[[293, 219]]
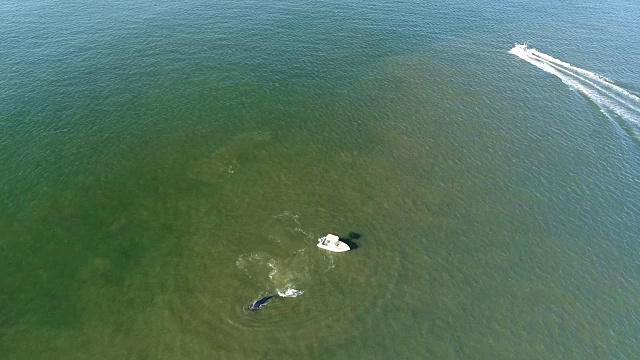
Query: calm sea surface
[[163, 164]]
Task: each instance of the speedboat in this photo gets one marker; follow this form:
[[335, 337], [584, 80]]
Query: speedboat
[[332, 243]]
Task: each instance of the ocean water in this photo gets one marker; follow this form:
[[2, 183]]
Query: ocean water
[[164, 164]]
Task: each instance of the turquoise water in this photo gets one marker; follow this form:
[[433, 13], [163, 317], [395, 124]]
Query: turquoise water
[[163, 165]]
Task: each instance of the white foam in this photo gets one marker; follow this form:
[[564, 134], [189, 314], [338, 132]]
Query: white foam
[[290, 292], [611, 98], [272, 265]]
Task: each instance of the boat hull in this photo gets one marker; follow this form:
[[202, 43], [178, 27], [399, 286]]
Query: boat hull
[[341, 247]]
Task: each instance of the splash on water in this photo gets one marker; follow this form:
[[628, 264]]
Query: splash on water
[[290, 292], [293, 261]]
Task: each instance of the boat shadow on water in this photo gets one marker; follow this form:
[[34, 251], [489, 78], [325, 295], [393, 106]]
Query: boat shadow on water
[[350, 240]]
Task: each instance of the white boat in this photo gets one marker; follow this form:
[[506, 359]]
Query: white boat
[[332, 243]]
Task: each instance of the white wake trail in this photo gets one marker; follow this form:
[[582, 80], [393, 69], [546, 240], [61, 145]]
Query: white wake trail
[[611, 98], [599, 82], [588, 74], [598, 85]]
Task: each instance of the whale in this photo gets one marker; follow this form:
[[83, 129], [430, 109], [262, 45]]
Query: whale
[[258, 303]]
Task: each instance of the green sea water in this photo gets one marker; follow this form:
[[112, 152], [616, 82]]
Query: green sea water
[[164, 164]]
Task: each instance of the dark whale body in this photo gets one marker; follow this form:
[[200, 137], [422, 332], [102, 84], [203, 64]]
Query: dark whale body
[[258, 303]]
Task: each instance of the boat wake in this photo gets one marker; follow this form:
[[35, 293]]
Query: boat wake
[[615, 102]]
